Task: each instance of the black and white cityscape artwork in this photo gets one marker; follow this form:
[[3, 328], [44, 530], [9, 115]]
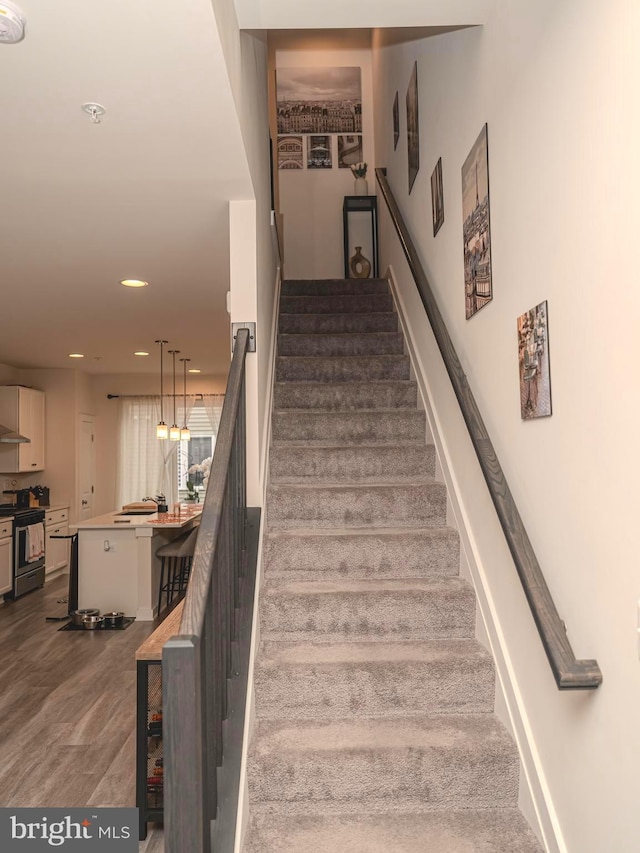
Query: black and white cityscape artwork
[[437, 197], [478, 288], [319, 100]]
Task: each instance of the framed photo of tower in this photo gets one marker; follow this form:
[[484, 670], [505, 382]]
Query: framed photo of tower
[[478, 286], [533, 363]]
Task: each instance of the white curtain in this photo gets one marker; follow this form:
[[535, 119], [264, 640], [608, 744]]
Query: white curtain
[[213, 407], [146, 465]]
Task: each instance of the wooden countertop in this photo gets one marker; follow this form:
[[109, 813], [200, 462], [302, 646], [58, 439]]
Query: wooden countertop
[[151, 649], [118, 520]]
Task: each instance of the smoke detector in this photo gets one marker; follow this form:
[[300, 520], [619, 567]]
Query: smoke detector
[[11, 23]]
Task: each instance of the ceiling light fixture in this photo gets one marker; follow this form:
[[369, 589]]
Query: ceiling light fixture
[[185, 434], [12, 23], [134, 282], [94, 110], [141, 352], [161, 430], [174, 432], [76, 355]]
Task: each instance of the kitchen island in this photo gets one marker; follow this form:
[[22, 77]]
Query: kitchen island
[[117, 564]]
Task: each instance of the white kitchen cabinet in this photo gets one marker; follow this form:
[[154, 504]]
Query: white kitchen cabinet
[[56, 550], [22, 410], [6, 555]]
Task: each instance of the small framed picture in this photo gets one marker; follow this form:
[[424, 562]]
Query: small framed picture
[[437, 197], [533, 362], [396, 122]]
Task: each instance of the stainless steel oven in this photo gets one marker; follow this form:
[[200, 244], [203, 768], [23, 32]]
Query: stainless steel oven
[[28, 549]]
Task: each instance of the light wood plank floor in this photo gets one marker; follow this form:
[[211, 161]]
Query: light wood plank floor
[[67, 709]]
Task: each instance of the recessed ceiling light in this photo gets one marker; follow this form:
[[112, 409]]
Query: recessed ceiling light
[[194, 370], [76, 355], [141, 352], [134, 282]]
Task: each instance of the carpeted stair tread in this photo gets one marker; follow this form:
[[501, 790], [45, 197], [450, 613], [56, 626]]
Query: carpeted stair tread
[[296, 368], [367, 609], [331, 428], [411, 763], [333, 286], [374, 321], [340, 680], [319, 505], [370, 343], [345, 396], [437, 831], [340, 304], [374, 727], [383, 553], [375, 463]]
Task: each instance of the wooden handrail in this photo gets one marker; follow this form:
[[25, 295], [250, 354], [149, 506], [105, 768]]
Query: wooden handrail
[[569, 673]]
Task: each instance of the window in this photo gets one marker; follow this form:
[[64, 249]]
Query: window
[[147, 466], [192, 454]]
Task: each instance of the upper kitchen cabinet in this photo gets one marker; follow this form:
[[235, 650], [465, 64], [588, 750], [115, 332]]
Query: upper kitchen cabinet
[[22, 410]]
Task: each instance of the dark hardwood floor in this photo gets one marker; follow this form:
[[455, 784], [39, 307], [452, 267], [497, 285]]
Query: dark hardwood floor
[[67, 709]]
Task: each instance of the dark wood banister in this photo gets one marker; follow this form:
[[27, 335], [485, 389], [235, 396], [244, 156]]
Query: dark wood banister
[[569, 673]]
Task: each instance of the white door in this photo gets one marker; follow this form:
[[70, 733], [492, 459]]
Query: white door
[[86, 467]]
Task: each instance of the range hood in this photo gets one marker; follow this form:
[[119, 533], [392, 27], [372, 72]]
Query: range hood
[[10, 436]]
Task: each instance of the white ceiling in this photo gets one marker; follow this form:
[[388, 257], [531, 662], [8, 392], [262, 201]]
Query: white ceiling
[[143, 194]]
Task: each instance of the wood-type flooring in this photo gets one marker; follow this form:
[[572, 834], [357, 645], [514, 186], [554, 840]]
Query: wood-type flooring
[[67, 709]]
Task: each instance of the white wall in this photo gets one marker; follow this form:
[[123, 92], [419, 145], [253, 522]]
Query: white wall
[[311, 199], [557, 85]]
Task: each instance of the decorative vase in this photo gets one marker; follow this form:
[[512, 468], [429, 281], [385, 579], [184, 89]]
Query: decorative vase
[[360, 266], [361, 187]]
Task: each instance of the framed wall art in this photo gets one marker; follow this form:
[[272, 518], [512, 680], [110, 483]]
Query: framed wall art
[[396, 122], [413, 136], [319, 152], [533, 363], [319, 100], [289, 152], [478, 287], [349, 150], [437, 197]]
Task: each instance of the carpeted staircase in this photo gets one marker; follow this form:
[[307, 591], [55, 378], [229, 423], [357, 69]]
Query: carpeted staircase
[[375, 730]]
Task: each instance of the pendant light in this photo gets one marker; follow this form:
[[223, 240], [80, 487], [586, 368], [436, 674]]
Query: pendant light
[[161, 430], [174, 432], [185, 435]]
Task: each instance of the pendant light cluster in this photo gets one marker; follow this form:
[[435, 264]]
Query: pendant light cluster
[[175, 433]]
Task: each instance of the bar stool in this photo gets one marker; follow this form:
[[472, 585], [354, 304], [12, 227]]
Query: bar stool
[[175, 567]]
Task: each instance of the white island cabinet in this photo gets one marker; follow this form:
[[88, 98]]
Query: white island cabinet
[[117, 564]]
